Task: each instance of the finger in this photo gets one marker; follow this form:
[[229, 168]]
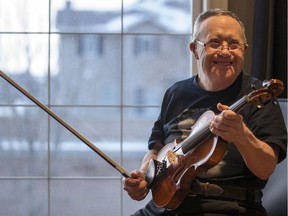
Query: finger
[[222, 119], [222, 107], [137, 193], [131, 182], [138, 197], [138, 174], [135, 174]]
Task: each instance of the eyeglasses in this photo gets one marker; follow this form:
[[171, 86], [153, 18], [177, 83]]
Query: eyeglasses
[[218, 46]]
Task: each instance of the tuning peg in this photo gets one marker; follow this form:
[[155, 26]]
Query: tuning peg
[[275, 101], [260, 104], [265, 83]]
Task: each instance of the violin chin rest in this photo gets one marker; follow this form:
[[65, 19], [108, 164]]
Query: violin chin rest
[[151, 172]]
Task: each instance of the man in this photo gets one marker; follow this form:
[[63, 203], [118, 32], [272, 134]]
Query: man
[[256, 137]]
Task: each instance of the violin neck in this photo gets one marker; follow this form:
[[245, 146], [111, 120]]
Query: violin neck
[[240, 104]]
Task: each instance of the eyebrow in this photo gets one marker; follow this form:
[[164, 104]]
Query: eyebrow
[[224, 39]]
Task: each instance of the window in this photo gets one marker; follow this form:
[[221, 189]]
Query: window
[[91, 45], [103, 69], [146, 45]]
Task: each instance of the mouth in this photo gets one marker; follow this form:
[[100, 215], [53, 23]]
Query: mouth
[[223, 63]]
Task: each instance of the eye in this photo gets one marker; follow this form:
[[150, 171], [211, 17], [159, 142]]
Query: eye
[[234, 45], [214, 43]]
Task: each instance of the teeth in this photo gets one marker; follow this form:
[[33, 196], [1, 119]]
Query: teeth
[[224, 63]]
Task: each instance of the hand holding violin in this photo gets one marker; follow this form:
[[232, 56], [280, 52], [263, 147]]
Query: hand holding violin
[[260, 157], [228, 125]]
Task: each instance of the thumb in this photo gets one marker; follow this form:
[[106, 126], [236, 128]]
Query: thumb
[[222, 107]]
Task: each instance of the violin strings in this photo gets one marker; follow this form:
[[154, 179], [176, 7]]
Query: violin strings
[[192, 141]]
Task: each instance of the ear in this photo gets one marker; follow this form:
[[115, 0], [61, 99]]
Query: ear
[[192, 47], [246, 47]]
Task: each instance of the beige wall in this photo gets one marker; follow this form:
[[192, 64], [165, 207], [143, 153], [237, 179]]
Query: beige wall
[[245, 10]]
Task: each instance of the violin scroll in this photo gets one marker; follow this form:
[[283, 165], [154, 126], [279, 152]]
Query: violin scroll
[[274, 86], [270, 90]]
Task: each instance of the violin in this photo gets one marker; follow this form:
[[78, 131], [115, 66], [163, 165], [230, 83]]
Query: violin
[[178, 163]]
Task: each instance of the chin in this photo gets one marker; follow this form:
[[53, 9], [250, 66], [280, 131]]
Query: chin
[[226, 76], [225, 73]]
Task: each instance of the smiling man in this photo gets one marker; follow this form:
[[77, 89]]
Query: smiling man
[[256, 139], [219, 47]]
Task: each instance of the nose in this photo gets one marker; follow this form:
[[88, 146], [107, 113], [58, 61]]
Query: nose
[[224, 50], [224, 47]]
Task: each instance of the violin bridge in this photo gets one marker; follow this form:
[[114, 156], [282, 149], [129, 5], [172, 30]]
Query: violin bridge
[[172, 157]]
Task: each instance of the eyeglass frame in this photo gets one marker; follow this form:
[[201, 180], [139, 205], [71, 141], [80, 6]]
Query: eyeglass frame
[[221, 47]]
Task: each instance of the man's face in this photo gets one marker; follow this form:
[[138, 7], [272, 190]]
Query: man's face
[[217, 63]]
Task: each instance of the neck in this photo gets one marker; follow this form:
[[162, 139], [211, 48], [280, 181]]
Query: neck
[[212, 85]]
